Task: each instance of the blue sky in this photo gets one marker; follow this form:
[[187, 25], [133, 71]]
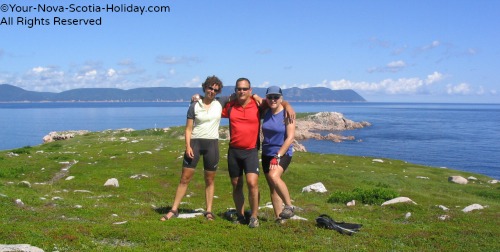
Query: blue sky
[[387, 51]]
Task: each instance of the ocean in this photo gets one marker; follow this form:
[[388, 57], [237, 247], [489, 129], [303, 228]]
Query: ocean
[[457, 136]]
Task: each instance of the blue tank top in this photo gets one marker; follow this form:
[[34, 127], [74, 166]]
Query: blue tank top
[[274, 131]]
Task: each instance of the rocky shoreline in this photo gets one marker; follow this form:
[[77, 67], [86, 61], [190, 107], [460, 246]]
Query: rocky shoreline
[[310, 127]]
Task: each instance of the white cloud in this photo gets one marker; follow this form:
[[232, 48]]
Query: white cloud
[[111, 72], [393, 66], [434, 44], [39, 69], [462, 88], [434, 77], [194, 82], [388, 86], [170, 60]]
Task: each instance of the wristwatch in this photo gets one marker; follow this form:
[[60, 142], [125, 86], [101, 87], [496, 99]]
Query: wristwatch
[[278, 157]]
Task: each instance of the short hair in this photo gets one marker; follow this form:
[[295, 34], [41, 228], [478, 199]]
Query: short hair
[[243, 79], [210, 81]]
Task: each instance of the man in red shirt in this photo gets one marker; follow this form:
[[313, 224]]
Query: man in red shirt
[[244, 126], [242, 157]]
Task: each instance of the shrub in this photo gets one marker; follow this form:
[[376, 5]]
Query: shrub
[[23, 150]]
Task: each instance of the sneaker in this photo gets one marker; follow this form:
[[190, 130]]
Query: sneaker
[[254, 222], [240, 220], [287, 212]]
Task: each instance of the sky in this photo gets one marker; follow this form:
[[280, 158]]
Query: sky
[[386, 50]]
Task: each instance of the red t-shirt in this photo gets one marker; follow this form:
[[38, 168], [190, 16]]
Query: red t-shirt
[[244, 124]]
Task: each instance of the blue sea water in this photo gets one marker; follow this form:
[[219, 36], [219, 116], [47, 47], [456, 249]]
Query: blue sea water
[[458, 136]]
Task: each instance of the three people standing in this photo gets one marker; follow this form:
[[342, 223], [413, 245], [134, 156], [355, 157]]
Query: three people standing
[[244, 123]]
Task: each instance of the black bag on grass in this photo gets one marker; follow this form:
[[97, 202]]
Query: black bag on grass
[[324, 221]]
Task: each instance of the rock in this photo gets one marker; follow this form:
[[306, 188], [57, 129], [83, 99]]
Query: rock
[[495, 181], [82, 191], [56, 136], [317, 187], [307, 127], [398, 200], [472, 207], [70, 177], [25, 184], [443, 208], [19, 202], [19, 247], [472, 178], [298, 147], [188, 215], [351, 203], [458, 180], [378, 160], [296, 217], [407, 215], [112, 182], [139, 176], [125, 130], [422, 177], [444, 217]]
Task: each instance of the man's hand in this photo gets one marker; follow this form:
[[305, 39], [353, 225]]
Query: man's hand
[[257, 99], [195, 98], [289, 112]]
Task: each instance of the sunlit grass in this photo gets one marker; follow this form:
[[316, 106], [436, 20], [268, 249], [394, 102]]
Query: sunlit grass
[[83, 215]]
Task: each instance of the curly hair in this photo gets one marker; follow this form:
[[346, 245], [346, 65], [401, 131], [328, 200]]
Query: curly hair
[[210, 81]]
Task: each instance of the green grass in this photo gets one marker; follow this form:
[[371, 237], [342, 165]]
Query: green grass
[[57, 224]]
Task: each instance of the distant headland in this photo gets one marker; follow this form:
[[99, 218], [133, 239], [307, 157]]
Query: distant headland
[[10, 93]]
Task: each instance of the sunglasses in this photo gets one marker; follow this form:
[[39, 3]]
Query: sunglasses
[[241, 89], [273, 97], [213, 89]]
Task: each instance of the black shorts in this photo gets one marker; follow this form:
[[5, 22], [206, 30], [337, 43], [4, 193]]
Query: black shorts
[[209, 148], [239, 161], [284, 162]]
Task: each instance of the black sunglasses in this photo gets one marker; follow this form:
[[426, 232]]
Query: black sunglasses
[[213, 89], [273, 97], [241, 89]]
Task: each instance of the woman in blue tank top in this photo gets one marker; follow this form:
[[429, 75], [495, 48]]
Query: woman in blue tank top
[[277, 151]]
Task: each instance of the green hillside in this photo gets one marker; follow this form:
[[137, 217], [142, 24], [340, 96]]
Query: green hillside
[[81, 214]]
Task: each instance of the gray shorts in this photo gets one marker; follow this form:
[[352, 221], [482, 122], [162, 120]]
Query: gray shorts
[[209, 149], [239, 161]]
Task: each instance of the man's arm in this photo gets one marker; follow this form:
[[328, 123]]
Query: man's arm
[[290, 113]]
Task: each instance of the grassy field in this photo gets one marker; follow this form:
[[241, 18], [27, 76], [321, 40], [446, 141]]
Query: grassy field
[[82, 214]]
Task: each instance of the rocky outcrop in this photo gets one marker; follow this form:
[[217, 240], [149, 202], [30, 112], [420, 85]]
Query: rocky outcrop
[[63, 135], [331, 122]]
